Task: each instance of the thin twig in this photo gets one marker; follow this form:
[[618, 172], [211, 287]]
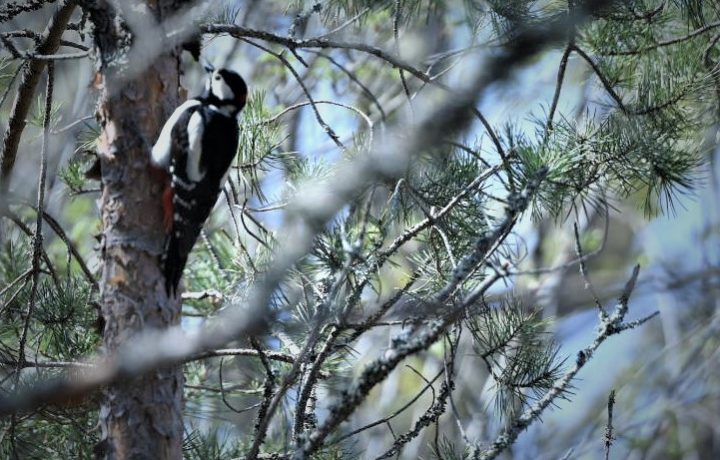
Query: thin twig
[[613, 324], [609, 437], [60, 232], [47, 364], [362, 114], [558, 87], [355, 80], [504, 156], [603, 79], [311, 381], [17, 72], [661, 44], [38, 237], [397, 13], [431, 415], [429, 221], [273, 401], [328, 130], [403, 408], [56, 57], [223, 395], [584, 273], [274, 355], [15, 219], [27, 33]]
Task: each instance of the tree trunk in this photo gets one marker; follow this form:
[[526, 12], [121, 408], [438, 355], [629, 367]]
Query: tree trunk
[[139, 419]]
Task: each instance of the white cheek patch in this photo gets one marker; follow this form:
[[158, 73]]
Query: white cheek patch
[[161, 151], [195, 133], [221, 89]]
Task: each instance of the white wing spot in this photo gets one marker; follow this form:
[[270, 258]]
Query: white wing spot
[[195, 129], [161, 151]]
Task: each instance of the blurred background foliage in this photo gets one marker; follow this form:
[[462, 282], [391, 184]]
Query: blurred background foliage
[[629, 138]]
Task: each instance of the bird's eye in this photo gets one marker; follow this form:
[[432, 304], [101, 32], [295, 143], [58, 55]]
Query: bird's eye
[[216, 77]]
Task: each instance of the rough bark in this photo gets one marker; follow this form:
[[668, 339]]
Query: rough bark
[[142, 418]]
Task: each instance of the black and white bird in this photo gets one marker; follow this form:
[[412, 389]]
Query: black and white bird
[[193, 153]]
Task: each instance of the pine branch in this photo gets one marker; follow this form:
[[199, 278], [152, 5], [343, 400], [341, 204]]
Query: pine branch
[[306, 217], [60, 232], [12, 9], [15, 219], [37, 38], [378, 370], [38, 234], [51, 40], [432, 414], [611, 325], [664, 43]]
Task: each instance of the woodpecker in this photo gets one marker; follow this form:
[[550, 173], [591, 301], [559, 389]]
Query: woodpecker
[[193, 154]]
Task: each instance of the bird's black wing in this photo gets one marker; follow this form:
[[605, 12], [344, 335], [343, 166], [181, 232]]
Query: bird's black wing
[[193, 201], [183, 232]]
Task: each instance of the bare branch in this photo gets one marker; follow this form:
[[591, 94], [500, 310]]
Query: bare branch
[[609, 436], [605, 82], [558, 86], [274, 355], [328, 130]]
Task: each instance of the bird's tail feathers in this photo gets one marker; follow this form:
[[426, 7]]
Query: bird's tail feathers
[[173, 264]]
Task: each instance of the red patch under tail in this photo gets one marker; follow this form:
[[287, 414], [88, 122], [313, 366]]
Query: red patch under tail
[[167, 203]]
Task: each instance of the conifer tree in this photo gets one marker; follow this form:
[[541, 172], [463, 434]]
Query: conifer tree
[[384, 271]]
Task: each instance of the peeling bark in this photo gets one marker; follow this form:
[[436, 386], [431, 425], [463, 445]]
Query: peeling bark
[[142, 418]]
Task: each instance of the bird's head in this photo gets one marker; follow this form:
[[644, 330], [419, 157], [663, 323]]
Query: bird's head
[[226, 90]]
